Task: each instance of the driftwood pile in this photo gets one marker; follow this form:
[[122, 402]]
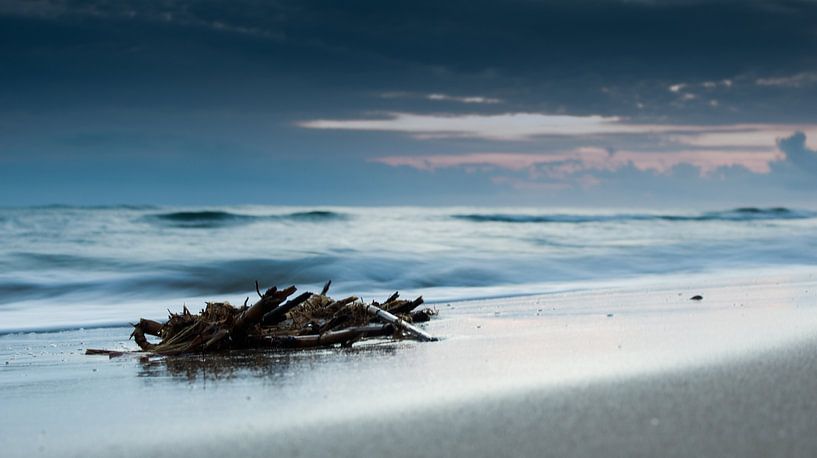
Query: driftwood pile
[[275, 321]]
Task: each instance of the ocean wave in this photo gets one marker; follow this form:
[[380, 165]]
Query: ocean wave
[[55, 280], [200, 219], [745, 214], [520, 218], [315, 215], [34, 261], [207, 219], [52, 261], [737, 214], [94, 207], [238, 276]]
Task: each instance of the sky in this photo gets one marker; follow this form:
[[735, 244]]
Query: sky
[[619, 103]]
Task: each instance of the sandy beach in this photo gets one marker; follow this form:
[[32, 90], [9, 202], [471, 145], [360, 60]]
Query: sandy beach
[[635, 369]]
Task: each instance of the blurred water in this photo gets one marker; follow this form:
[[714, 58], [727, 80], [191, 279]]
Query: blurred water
[[55, 259]]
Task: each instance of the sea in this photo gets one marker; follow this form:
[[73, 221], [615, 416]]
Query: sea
[[66, 267]]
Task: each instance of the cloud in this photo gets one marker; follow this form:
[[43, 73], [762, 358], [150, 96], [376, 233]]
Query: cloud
[[507, 126], [440, 97], [471, 99], [678, 87], [182, 13], [243, 72], [746, 136], [797, 154], [534, 55], [661, 148], [792, 81], [589, 159], [602, 175], [528, 126]]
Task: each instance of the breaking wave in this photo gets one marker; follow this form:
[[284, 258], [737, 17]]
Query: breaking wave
[[207, 219], [737, 214], [200, 219]]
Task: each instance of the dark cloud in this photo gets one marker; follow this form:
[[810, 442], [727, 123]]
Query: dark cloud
[[141, 90], [599, 56]]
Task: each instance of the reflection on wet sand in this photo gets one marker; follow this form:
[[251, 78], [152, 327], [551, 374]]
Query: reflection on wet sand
[[273, 365]]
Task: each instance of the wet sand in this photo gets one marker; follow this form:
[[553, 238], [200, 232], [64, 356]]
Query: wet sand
[[758, 407], [619, 371]]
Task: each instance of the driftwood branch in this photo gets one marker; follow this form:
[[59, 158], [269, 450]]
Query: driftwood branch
[[151, 327], [406, 306], [254, 314], [278, 314], [399, 323]]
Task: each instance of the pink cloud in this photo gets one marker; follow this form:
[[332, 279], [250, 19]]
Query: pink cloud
[[707, 147], [589, 159]]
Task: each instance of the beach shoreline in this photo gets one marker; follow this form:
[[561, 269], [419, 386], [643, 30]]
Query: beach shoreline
[[619, 371]]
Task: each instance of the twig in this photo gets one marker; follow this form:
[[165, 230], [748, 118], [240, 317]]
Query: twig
[[327, 339], [407, 306], [278, 314], [254, 314], [399, 323]]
